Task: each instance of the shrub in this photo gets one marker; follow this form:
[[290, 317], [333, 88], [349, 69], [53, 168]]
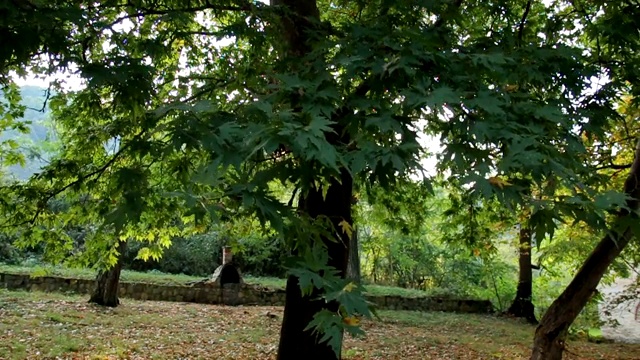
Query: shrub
[[9, 254], [196, 255], [200, 255]]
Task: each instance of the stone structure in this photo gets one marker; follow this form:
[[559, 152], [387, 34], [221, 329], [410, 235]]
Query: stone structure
[[625, 313], [229, 294], [227, 273], [228, 279]]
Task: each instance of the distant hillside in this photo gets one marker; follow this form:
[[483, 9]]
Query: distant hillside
[[31, 144]]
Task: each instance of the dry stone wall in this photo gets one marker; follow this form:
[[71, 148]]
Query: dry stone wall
[[229, 294]]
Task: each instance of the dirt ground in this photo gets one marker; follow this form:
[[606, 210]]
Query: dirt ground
[[54, 326]]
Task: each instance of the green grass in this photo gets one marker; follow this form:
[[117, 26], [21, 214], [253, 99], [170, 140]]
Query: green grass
[[127, 275], [37, 325], [381, 290], [268, 282], [175, 279]]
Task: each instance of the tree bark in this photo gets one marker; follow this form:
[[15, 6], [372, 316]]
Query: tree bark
[[108, 282], [550, 335], [522, 306], [297, 23], [295, 343], [353, 267]]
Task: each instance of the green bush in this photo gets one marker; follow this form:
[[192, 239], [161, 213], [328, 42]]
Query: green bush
[[8, 253], [200, 255], [261, 256], [197, 255]]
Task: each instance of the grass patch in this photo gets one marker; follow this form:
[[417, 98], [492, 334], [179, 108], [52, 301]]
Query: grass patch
[[155, 277], [268, 282], [126, 276], [381, 290], [48, 325]]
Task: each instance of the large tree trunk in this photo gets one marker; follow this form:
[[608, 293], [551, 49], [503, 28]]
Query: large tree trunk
[[550, 334], [299, 19], [108, 282], [522, 306], [353, 267], [295, 343]]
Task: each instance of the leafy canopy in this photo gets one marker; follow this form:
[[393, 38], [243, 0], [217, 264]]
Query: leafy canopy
[[188, 112]]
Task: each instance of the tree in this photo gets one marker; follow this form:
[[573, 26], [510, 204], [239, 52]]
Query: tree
[[522, 306], [393, 225], [353, 264], [108, 282], [551, 333], [314, 94]]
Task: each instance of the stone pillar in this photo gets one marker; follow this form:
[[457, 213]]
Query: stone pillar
[[227, 255]]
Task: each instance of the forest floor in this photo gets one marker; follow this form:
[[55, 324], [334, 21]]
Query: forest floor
[[35, 325]]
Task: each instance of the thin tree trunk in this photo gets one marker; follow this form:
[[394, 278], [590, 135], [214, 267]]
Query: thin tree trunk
[[550, 335], [353, 267], [108, 282], [522, 306], [295, 343], [374, 269]]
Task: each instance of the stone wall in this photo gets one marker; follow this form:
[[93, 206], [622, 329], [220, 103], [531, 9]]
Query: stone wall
[[229, 294]]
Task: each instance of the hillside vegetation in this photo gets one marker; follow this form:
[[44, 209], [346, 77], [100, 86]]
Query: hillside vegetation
[[34, 144]]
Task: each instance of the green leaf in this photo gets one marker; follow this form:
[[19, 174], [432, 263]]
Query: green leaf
[[610, 200], [329, 326]]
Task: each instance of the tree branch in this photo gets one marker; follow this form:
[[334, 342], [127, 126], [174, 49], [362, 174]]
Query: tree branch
[[523, 20], [293, 195], [613, 166], [442, 19], [46, 99], [51, 194]]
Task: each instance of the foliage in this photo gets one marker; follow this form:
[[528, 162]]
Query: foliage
[[196, 255], [435, 254], [32, 137], [175, 129], [201, 254], [8, 253]]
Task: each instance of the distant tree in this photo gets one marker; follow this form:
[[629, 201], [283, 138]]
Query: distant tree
[[522, 305], [549, 339]]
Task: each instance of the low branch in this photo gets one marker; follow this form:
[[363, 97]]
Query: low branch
[[246, 6]]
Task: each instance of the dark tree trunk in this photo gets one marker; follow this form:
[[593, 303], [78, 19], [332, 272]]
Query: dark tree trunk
[[299, 19], [353, 267], [522, 306], [295, 343], [108, 282], [550, 335]]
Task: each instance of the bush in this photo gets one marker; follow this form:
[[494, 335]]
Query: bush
[[197, 255], [200, 255], [261, 256], [9, 254]]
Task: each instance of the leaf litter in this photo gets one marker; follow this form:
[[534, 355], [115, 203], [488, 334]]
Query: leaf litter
[[54, 326]]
